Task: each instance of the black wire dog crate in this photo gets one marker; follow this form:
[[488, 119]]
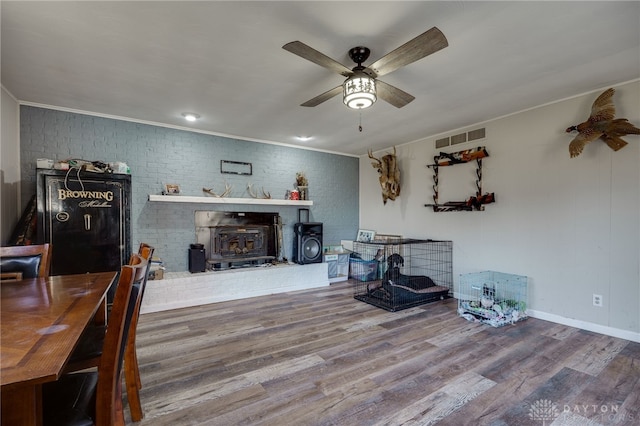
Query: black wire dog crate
[[399, 274]]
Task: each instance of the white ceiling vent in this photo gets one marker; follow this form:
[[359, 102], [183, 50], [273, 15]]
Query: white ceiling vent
[[472, 135]]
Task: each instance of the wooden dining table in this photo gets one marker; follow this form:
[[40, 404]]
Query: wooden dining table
[[41, 321]]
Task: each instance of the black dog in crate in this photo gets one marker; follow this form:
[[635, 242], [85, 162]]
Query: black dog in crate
[[380, 289], [401, 289], [393, 276], [394, 261]]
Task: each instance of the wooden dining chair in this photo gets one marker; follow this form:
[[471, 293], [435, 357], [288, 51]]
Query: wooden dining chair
[[32, 261], [89, 350], [95, 398], [131, 367]]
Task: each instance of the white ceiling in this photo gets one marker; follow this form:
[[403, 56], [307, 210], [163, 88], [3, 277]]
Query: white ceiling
[[151, 61]]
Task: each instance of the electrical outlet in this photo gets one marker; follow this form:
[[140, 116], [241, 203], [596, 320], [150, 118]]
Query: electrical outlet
[[597, 300]]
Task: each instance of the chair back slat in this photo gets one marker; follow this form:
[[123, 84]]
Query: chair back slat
[[146, 252]]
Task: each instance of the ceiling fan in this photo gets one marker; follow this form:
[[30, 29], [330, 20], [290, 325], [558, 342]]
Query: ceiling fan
[[361, 88]]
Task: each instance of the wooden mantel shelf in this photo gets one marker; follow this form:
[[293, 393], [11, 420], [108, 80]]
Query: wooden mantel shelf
[[216, 200]]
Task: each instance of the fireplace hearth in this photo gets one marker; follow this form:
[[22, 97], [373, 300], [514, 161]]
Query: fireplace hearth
[[238, 239]]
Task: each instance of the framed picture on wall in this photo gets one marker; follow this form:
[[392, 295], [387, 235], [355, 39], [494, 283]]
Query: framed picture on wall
[[171, 189], [387, 238], [365, 236]]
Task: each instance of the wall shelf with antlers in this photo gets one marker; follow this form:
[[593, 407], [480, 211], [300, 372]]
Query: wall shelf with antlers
[[473, 203]]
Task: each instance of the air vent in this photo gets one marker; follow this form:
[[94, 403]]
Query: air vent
[[456, 139], [441, 143], [472, 135], [476, 134]]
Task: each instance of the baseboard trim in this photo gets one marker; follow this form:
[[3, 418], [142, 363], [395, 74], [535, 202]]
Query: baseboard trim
[[584, 325]]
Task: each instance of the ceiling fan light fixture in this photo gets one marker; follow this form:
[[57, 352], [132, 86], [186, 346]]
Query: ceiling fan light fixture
[[359, 91]]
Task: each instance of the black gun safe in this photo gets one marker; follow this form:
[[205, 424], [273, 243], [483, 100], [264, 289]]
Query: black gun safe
[[86, 217]]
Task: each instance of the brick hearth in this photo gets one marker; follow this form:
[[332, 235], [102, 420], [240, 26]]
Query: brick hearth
[[184, 289]]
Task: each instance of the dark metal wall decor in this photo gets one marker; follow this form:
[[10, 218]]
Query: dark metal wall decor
[[475, 202], [236, 167]]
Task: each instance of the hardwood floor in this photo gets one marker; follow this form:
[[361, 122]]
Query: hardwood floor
[[320, 357]]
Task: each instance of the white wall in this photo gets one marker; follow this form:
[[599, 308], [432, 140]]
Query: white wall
[[9, 166], [572, 225]]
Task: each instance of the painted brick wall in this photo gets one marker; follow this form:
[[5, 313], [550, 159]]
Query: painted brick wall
[[159, 155]]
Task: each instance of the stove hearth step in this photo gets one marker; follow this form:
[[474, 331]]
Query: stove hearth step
[[237, 262]]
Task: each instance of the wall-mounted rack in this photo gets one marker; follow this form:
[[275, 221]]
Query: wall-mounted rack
[[472, 203]]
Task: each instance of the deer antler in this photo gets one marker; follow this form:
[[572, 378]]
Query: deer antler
[[377, 163], [265, 195], [250, 190], [227, 191]]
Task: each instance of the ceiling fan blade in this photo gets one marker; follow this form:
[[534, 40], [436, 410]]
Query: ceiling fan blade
[[425, 44], [310, 54], [323, 97], [396, 97]]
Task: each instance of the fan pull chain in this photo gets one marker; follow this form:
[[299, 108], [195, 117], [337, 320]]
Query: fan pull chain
[[360, 122]]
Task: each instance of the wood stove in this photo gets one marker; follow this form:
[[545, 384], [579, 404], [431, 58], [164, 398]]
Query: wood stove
[[238, 239]]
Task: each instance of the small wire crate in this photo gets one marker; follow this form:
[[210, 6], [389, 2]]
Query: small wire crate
[[398, 274], [493, 298]]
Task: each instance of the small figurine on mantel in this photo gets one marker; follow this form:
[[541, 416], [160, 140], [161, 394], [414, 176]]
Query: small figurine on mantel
[[303, 184]]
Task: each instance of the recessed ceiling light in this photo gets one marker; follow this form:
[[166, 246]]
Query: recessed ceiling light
[[303, 138], [190, 116]]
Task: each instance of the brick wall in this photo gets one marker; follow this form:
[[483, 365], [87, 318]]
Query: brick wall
[[159, 155]]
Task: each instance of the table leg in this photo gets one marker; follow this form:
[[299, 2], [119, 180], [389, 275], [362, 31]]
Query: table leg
[[101, 314], [22, 406]]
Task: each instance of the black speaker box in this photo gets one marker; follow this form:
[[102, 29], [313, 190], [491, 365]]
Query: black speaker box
[[197, 258], [307, 243]]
